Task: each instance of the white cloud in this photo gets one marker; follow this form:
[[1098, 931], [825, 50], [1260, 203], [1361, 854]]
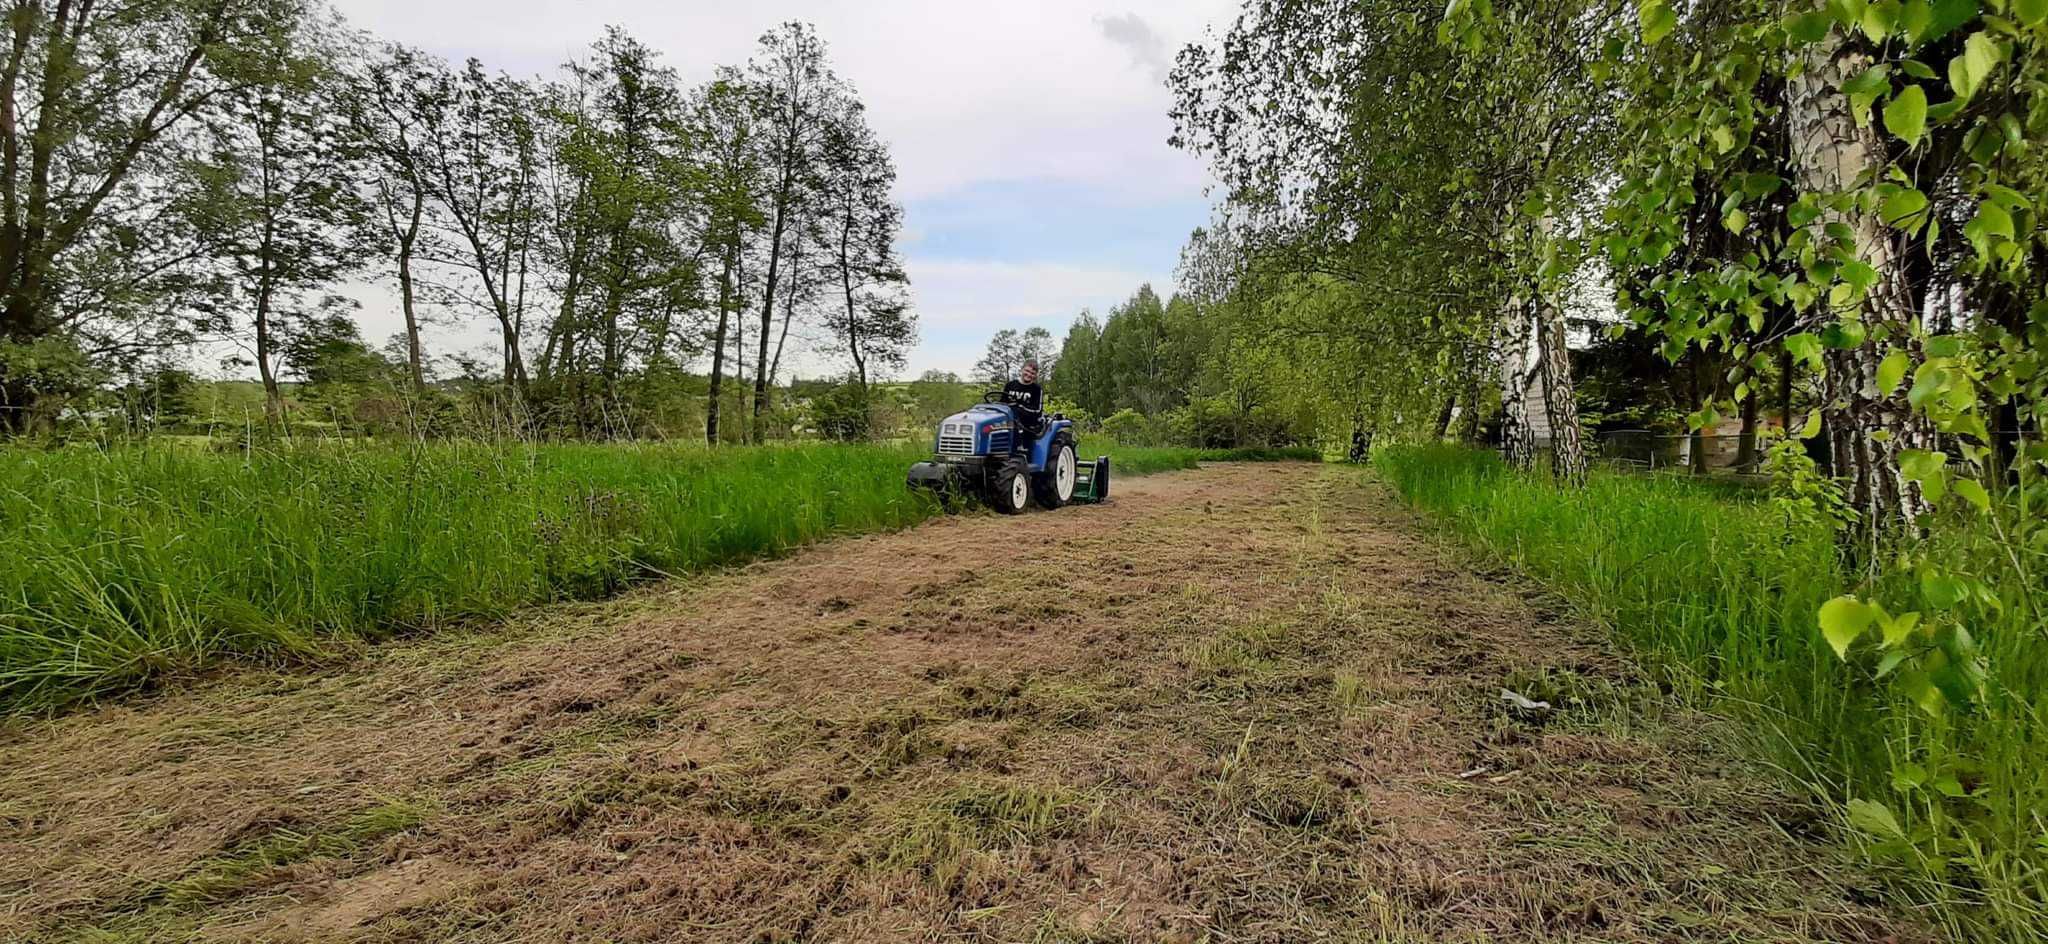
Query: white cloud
[[996, 295], [961, 92], [961, 304], [1147, 48]]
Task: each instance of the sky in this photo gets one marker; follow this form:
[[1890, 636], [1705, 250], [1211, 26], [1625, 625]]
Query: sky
[[1029, 138]]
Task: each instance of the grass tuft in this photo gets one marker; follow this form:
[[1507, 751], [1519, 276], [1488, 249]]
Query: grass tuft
[[1716, 593]]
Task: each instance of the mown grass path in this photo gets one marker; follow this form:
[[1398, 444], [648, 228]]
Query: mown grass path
[[1248, 703]]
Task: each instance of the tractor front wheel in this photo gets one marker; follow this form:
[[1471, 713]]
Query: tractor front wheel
[[1009, 489]]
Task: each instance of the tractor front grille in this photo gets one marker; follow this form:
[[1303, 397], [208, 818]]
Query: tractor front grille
[[956, 443]]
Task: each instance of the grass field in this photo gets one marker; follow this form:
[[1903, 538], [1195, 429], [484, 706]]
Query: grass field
[[1253, 703], [117, 567], [1711, 586]]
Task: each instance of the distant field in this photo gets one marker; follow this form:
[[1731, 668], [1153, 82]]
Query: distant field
[[120, 566]]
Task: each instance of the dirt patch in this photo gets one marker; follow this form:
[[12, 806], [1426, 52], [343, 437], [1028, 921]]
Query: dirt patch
[[1250, 703]]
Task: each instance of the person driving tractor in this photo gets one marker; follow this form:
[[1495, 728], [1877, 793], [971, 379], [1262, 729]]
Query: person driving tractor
[[1028, 400]]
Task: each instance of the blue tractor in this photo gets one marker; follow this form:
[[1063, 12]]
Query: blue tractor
[[978, 452]]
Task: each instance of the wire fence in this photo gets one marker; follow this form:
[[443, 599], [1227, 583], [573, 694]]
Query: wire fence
[[1650, 451]]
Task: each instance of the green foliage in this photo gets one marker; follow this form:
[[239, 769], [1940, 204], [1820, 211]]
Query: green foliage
[[1804, 498], [1073, 411], [1130, 426], [1927, 741], [844, 413]]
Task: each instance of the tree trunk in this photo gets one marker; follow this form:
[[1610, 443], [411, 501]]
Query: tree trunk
[[718, 348], [1468, 421], [1445, 415], [1515, 443], [1786, 365], [768, 299], [796, 275], [1745, 444], [413, 357], [273, 397], [1867, 430], [853, 348], [1560, 400]]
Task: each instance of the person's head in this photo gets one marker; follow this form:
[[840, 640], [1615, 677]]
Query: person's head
[[1030, 372]]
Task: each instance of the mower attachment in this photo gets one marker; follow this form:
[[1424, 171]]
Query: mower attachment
[[1091, 481]]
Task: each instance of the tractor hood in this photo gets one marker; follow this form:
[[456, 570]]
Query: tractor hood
[[976, 431]]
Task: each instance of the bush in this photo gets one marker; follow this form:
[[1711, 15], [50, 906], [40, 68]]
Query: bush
[[843, 414], [1130, 426]]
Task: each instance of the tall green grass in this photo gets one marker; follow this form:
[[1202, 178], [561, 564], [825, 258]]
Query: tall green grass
[[122, 565], [1712, 588]]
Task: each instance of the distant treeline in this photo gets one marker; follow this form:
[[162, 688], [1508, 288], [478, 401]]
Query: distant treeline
[[211, 172]]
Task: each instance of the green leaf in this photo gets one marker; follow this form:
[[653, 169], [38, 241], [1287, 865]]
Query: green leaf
[[1948, 14], [1896, 629], [1658, 20], [2030, 12], [1921, 464], [1994, 220], [1972, 493], [1928, 468], [1861, 274], [1905, 116], [1921, 690], [1804, 346], [1724, 139], [1929, 380], [1903, 208], [1844, 619], [1967, 72], [1915, 18], [1955, 685], [1808, 28], [1917, 69], [1843, 335], [1891, 371], [1941, 590], [1812, 427], [1874, 818], [1879, 18], [1907, 775], [1735, 221], [1873, 81], [1944, 345]]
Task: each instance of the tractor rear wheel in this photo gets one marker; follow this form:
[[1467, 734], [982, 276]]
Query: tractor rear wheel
[[1009, 489], [1055, 486]]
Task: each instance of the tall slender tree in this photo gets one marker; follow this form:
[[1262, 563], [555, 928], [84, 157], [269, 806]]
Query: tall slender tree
[[798, 95], [873, 324], [276, 191], [732, 162], [395, 104]]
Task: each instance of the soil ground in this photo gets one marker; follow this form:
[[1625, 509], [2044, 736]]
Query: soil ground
[[1247, 703]]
